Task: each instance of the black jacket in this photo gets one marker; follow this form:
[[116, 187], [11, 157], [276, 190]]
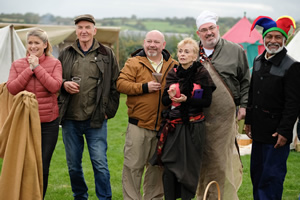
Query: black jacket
[[274, 97]]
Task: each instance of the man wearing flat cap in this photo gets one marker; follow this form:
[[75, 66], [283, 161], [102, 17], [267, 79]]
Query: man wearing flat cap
[[86, 17], [87, 104], [273, 107], [228, 66]]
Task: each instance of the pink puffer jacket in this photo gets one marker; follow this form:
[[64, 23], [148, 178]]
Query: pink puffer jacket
[[44, 81]]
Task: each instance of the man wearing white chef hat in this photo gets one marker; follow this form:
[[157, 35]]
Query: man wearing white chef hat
[[228, 66]]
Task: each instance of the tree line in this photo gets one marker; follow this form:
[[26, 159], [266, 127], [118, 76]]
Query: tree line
[[129, 43]]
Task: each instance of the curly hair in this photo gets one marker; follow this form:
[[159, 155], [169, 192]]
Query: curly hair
[[189, 41]]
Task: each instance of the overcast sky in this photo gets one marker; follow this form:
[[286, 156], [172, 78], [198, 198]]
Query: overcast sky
[[154, 8]]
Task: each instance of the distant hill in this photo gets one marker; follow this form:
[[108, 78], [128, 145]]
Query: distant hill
[[172, 25], [133, 29]]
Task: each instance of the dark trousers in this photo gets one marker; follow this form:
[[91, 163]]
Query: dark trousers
[[49, 140], [268, 170], [173, 189]]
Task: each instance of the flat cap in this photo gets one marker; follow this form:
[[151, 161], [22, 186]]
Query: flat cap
[[85, 17]]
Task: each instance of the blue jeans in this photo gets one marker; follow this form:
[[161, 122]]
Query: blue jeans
[[268, 170], [96, 139]]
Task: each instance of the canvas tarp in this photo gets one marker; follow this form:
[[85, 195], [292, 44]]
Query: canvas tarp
[[55, 35], [62, 36], [11, 48], [59, 37], [294, 47]]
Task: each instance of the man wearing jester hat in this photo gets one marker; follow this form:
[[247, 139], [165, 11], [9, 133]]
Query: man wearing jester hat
[[273, 106]]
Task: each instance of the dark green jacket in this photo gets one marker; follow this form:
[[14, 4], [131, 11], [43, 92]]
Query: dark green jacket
[[107, 100], [230, 61]]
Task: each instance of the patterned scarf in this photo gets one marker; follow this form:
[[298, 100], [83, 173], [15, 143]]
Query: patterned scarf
[[202, 56]]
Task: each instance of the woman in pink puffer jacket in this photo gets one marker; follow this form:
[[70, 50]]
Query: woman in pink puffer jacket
[[41, 74]]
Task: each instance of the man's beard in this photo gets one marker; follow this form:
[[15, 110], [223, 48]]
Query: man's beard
[[211, 44], [274, 51], [152, 54]]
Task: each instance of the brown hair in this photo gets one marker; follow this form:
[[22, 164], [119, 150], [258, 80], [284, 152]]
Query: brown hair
[[43, 36]]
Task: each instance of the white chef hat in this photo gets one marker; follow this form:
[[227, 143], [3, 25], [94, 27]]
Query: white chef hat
[[206, 17]]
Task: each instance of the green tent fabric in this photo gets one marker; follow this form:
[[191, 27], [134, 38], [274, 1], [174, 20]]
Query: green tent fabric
[[252, 52]]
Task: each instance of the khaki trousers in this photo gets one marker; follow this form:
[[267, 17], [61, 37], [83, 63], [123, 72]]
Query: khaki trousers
[[140, 145]]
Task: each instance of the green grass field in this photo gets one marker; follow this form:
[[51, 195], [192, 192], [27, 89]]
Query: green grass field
[[59, 185]]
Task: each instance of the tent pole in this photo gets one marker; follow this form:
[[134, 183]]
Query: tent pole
[[12, 42]]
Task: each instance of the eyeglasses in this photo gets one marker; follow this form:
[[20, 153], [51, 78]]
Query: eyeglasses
[[205, 30]]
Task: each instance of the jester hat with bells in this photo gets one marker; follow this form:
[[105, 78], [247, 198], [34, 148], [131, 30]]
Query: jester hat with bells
[[283, 24]]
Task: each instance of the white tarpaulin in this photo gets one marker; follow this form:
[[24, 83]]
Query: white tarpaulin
[[294, 50], [294, 47], [11, 48]]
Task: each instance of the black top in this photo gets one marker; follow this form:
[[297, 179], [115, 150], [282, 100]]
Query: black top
[[197, 74], [274, 97]]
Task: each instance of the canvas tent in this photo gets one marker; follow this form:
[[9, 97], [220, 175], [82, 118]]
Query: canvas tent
[[293, 47], [59, 36], [11, 48], [252, 43]]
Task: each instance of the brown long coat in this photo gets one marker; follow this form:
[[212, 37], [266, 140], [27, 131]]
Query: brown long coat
[[20, 147]]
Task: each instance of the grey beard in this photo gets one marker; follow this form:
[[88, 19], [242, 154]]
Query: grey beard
[[212, 43], [152, 54], [273, 51]]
